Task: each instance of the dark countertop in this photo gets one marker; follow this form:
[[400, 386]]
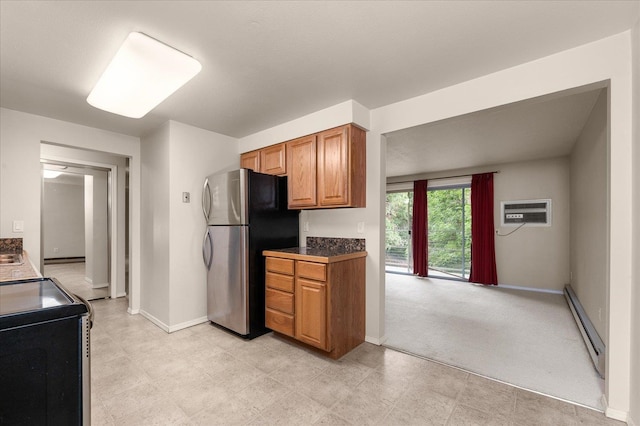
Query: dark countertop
[[318, 254]]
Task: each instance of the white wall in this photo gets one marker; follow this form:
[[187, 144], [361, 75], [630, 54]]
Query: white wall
[[534, 256], [88, 228], [96, 190], [337, 115], [195, 154], [634, 418], [63, 221], [155, 225], [589, 217], [608, 59], [176, 159], [21, 135]]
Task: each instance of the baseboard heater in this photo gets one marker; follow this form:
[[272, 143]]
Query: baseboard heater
[[592, 340]]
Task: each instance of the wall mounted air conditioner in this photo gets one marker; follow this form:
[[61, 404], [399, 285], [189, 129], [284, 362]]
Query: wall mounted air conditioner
[[527, 212]]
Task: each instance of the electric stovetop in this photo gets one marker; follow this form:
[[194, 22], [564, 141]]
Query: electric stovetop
[[30, 301]]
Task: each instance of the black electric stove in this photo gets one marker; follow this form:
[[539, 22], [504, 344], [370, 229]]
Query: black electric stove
[[44, 354]]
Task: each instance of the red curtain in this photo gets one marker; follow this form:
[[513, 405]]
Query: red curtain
[[419, 229], [483, 253]]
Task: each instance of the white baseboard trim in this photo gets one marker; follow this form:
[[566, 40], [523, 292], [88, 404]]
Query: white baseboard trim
[[612, 413], [133, 311], [539, 290], [188, 324], [616, 414], [89, 280], [375, 340], [173, 328], [154, 320], [121, 295], [631, 422], [101, 285]]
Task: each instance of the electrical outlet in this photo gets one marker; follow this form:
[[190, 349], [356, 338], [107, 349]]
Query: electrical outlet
[[360, 227], [56, 250], [305, 226], [186, 197]]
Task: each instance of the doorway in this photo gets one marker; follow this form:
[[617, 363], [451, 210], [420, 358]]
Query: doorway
[[76, 234], [582, 171]]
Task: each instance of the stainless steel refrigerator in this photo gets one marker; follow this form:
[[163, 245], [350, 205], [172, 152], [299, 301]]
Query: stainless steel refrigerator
[[246, 213]]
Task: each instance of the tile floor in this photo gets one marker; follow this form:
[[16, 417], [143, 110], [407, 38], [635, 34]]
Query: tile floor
[[204, 376], [71, 276]]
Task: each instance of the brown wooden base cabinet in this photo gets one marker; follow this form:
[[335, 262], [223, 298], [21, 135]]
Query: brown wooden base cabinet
[[319, 304]]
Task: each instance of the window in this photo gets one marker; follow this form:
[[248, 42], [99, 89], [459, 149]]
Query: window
[[398, 256], [450, 231], [449, 209]]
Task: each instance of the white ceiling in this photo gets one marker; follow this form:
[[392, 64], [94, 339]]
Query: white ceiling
[[529, 130], [265, 63]]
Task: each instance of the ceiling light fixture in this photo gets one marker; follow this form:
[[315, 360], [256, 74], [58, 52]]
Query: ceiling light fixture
[[143, 73], [51, 174]]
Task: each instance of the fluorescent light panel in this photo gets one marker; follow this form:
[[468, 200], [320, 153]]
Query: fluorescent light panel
[[143, 73], [51, 174]]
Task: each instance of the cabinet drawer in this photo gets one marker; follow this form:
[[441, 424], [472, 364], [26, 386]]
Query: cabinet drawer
[[279, 282], [279, 300], [283, 266], [315, 271], [277, 321]]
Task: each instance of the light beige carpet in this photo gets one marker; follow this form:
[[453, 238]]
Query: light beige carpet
[[528, 339]]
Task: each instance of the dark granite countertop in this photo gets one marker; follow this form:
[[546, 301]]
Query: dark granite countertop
[[322, 250], [314, 255]]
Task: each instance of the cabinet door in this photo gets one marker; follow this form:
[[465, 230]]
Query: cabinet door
[[333, 167], [301, 164], [250, 160], [311, 313], [273, 160]]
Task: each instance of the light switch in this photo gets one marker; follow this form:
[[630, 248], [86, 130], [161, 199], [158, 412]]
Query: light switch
[[18, 226]]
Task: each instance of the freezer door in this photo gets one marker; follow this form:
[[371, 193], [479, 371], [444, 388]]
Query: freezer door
[[224, 198], [225, 253]]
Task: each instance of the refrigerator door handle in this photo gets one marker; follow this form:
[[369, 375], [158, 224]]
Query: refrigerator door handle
[[206, 199], [207, 262]]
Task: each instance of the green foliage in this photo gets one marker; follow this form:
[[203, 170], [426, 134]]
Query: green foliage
[[449, 228], [398, 220]]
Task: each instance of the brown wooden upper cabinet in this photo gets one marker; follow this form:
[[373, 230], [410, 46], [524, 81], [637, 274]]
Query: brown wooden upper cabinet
[[250, 160], [328, 169], [271, 160], [325, 170], [301, 158]]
